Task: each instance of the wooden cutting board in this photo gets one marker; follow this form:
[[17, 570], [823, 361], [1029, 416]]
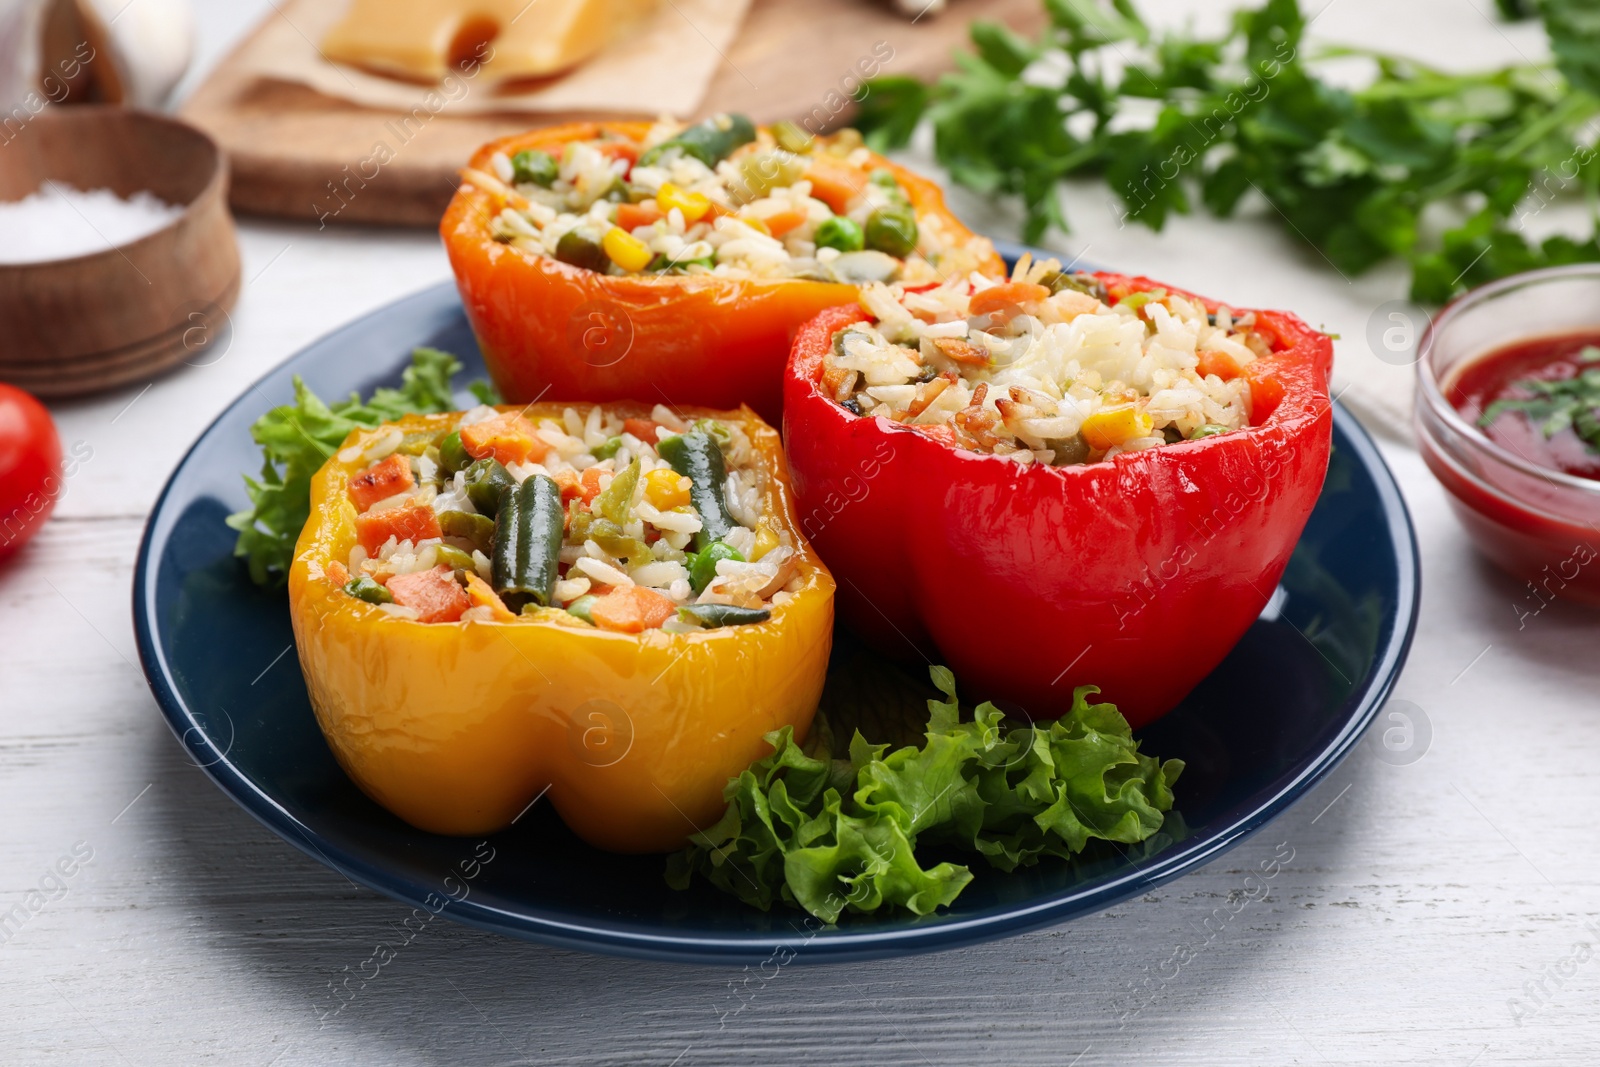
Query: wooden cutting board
[[297, 153]]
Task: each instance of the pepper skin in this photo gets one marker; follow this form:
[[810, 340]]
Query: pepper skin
[[457, 727], [1136, 574], [559, 332]]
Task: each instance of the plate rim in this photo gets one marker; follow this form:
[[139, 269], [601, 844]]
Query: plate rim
[[632, 941]]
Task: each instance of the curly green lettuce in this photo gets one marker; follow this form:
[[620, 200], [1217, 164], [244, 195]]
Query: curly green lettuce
[[830, 835], [296, 439]]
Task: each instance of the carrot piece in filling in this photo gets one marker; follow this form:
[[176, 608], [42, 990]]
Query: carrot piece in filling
[[508, 437], [631, 610], [384, 479], [434, 595], [410, 521]]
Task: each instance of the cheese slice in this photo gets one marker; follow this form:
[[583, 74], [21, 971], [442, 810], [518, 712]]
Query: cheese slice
[[423, 40]]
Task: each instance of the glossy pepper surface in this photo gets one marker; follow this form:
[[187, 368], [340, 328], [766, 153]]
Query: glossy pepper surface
[[1137, 574], [456, 727], [554, 330]]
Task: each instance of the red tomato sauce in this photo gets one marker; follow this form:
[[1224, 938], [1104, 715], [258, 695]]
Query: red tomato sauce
[[1503, 375]]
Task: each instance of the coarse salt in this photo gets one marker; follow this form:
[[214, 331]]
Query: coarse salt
[[60, 222]]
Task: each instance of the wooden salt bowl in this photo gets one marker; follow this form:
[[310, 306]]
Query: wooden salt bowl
[[107, 318]]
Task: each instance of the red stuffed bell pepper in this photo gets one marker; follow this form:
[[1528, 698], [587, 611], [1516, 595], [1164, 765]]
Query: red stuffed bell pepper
[[628, 260], [1058, 480]]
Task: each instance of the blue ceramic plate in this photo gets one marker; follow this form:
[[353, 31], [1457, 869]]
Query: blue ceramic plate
[[1282, 710]]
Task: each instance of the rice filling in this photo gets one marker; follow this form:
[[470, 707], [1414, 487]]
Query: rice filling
[[1047, 367], [581, 520], [725, 199]]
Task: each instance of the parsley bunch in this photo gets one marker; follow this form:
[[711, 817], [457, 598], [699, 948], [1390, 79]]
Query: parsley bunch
[[1352, 173]]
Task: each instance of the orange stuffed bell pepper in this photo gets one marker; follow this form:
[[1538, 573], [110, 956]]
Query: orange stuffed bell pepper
[[605, 602], [1059, 480], [624, 260]]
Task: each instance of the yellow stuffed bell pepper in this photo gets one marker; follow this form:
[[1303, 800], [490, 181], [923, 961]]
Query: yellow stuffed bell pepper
[[461, 667]]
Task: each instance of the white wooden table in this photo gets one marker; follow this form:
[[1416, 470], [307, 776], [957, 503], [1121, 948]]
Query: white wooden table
[[1444, 911]]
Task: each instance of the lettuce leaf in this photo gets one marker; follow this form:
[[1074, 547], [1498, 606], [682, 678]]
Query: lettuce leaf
[[832, 834], [296, 439]]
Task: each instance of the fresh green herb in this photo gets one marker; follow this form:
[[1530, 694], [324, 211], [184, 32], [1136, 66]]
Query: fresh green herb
[[1574, 29], [1566, 404], [827, 835], [1245, 116], [296, 439], [485, 392]]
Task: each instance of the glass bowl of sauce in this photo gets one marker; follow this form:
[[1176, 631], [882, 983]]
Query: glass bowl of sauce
[[1508, 420]]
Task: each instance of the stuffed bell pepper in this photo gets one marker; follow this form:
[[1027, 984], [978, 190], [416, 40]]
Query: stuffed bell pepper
[[625, 259], [609, 602], [1059, 479]]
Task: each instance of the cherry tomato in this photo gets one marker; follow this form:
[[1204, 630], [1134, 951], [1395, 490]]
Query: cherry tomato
[[30, 467]]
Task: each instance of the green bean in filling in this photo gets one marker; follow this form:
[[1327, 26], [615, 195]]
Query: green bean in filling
[[364, 588], [479, 529], [713, 615], [710, 141], [454, 558], [581, 251], [695, 455], [486, 480], [453, 454], [527, 542]]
